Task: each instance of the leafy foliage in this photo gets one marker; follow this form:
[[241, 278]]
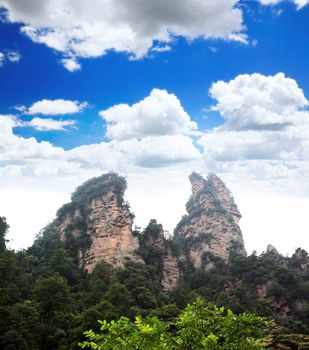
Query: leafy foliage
[[47, 301], [3, 230], [92, 188], [199, 326]]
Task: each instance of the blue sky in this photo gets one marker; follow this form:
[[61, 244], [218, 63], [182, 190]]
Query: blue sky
[[70, 71]]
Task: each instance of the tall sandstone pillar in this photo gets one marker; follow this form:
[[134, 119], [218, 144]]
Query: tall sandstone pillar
[[210, 231]]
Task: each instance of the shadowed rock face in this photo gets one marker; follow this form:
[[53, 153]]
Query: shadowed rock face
[[301, 260], [210, 230], [168, 268]]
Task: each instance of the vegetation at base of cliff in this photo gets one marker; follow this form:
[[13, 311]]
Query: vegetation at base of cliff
[[210, 212], [150, 253], [47, 301], [93, 188], [3, 230]]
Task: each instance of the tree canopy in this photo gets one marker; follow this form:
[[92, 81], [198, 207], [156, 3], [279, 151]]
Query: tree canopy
[[199, 326]]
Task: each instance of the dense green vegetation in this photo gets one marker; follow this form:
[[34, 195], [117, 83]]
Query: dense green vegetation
[[92, 188], [199, 326], [47, 302]]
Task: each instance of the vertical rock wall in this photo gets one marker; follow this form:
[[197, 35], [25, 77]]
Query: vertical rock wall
[[210, 230], [105, 225]]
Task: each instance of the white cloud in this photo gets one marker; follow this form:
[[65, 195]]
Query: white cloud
[[299, 3], [49, 124], [13, 56], [15, 150], [134, 155], [160, 113], [71, 64], [163, 48], [265, 133], [265, 154], [2, 57], [8, 55], [259, 102], [20, 108], [78, 29], [56, 107]]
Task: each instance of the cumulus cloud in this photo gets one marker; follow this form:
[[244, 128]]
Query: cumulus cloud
[[265, 134], [247, 151], [251, 102], [15, 150], [299, 3], [49, 124], [78, 29], [8, 55], [132, 154], [56, 107], [160, 113]]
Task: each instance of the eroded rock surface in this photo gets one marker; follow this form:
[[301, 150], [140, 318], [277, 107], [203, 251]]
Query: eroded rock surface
[[156, 247], [210, 231], [100, 225]]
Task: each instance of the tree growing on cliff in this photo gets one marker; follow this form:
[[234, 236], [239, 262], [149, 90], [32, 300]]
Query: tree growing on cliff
[[3, 230]]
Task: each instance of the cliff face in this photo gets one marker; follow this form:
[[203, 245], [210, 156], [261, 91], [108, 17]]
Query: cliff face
[[158, 253], [301, 260], [210, 230], [98, 224]]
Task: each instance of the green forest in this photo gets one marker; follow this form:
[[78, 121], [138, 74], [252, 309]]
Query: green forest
[[48, 302]]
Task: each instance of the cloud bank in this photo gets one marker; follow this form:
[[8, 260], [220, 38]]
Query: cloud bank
[[86, 29], [264, 135], [266, 131], [83, 29], [299, 3], [261, 146]]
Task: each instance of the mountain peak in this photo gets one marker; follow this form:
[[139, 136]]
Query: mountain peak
[[97, 223], [210, 230]]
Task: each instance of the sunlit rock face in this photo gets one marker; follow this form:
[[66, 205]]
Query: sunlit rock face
[[210, 232], [97, 226], [100, 224]]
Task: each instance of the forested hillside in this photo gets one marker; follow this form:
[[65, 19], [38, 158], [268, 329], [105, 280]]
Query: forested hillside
[[48, 299]]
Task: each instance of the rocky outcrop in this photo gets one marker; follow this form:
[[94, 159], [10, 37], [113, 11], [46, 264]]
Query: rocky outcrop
[[157, 252], [98, 224], [271, 250], [301, 260], [210, 231]]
